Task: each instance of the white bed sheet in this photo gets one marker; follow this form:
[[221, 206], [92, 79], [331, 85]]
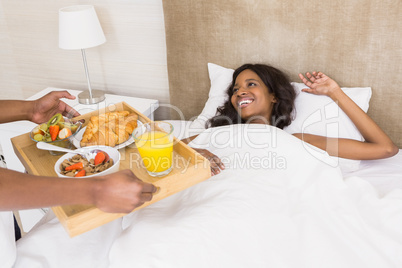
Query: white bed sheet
[[384, 174], [308, 215]]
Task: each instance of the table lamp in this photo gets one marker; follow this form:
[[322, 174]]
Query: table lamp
[[79, 28]]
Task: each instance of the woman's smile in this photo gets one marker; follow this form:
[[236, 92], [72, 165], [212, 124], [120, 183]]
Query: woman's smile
[[244, 102]]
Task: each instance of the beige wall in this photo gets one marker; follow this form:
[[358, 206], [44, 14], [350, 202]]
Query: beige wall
[[132, 62], [358, 43]]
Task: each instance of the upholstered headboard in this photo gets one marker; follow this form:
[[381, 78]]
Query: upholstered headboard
[[357, 42]]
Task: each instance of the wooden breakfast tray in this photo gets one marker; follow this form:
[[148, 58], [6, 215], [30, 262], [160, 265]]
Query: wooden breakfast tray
[[189, 168]]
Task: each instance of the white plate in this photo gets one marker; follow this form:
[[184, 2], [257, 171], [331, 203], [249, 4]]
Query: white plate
[[78, 137]]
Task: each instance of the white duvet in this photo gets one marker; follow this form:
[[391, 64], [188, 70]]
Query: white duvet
[[277, 204]]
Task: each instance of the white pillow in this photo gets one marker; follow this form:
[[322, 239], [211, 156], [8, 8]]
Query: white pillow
[[220, 80], [319, 115], [314, 114]]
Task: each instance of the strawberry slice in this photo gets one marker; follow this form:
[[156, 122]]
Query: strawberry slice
[[76, 166], [80, 173], [99, 158], [107, 157], [54, 131]]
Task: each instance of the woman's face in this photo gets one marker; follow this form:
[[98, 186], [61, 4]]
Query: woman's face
[[252, 99]]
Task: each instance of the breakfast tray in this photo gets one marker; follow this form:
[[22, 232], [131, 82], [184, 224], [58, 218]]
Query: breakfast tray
[[189, 168]]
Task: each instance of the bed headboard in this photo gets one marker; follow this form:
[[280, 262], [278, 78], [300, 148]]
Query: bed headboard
[[358, 43]]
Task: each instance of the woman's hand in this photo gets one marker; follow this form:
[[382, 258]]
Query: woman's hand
[[319, 84], [216, 163]]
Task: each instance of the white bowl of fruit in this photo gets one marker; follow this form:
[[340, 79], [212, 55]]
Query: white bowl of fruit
[[59, 131]]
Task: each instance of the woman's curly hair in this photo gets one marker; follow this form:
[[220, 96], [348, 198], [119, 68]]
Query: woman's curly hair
[[277, 83]]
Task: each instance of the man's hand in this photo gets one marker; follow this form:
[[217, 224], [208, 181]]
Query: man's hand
[[121, 192], [50, 104]]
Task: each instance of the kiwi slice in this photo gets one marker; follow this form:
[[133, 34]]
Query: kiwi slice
[[55, 120], [63, 125], [71, 126]]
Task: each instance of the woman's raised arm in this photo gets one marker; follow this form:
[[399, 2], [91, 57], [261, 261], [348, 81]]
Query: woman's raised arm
[[377, 144]]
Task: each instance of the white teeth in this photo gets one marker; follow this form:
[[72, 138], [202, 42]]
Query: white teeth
[[244, 102]]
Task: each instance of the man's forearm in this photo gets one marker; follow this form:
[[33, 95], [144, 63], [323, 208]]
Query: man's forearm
[[15, 110], [24, 191]]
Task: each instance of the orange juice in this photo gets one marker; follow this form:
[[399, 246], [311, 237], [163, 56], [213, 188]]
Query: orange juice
[[156, 150]]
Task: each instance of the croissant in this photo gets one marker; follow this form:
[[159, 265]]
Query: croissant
[[109, 129]]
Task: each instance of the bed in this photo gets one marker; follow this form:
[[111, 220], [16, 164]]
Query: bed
[[279, 202]]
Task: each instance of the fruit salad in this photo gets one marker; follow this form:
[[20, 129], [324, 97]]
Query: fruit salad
[[57, 128]]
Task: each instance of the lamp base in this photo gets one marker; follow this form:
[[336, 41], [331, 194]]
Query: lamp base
[[97, 96]]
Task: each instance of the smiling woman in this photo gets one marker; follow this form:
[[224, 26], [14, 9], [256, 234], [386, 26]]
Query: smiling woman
[[261, 94], [258, 94]]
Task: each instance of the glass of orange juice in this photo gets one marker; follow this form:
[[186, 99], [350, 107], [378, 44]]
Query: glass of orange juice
[[154, 142]]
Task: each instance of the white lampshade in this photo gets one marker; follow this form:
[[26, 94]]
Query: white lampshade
[[79, 28]]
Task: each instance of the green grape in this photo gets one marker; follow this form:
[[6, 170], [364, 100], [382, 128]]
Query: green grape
[[38, 137], [43, 127]]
